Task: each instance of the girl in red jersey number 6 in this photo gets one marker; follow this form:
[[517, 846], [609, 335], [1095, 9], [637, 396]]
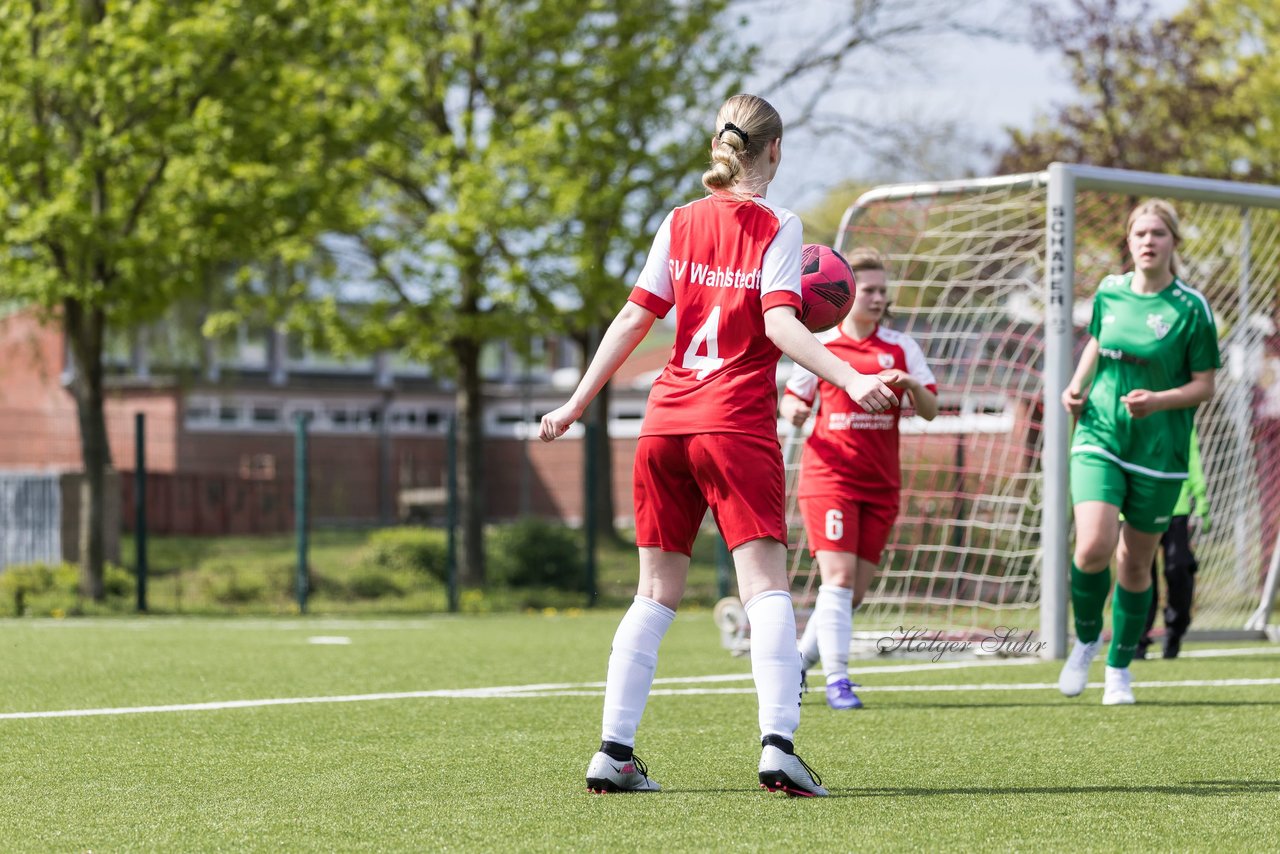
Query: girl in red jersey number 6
[[730, 265], [849, 474]]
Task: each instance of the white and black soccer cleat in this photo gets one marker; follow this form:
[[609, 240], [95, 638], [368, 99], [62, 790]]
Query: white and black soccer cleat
[[606, 774], [782, 771]]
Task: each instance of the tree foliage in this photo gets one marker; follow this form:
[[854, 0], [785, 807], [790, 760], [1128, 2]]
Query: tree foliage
[[534, 143], [1154, 94], [143, 143], [1251, 30], [642, 129]]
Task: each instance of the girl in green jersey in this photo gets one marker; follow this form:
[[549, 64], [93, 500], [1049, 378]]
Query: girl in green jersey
[[1149, 362]]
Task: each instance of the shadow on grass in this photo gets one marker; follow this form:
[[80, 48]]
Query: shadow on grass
[[1069, 704], [1203, 788]]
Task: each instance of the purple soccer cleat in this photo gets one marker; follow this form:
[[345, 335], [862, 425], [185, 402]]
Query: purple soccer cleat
[[840, 695]]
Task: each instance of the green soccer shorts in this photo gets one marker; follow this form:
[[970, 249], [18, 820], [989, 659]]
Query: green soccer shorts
[[1146, 502]]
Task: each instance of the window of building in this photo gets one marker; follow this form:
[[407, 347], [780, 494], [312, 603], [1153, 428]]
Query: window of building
[[266, 415]]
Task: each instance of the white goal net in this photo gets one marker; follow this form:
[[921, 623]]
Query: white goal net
[[983, 538]]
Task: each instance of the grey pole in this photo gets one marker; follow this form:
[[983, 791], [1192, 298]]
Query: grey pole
[[1240, 387], [1059, 280]]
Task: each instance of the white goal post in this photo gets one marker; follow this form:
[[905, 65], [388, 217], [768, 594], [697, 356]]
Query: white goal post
[[992, 277]]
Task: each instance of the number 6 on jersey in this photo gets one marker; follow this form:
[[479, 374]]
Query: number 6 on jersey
[[835, 525]]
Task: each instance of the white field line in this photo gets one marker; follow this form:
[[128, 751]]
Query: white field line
[[283, 624], [1229, 651], [990, 686], [596, 689]]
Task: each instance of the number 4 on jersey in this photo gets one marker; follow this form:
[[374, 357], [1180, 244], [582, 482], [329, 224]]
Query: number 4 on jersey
[[708, 333]]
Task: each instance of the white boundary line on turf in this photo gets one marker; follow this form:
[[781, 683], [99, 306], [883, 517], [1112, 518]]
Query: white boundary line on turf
[[540, 691], [596, 689], [553, 689], [1221, 653], [990, 686]]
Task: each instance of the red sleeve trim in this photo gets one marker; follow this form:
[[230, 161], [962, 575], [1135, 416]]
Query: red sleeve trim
[[808, 402], [773, 299], [932, 387], [649, 300]]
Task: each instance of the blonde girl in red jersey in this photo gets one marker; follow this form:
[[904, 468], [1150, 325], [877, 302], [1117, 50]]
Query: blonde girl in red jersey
[[849, 473], [729, 264]]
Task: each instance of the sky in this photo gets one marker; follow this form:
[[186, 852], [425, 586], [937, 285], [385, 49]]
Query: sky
[[979, 85]]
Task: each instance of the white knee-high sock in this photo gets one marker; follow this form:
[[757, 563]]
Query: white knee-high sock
[[632, 660], [808, 643], [774, 662], [833, 612]]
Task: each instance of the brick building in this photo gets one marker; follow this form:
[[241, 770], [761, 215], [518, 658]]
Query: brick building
[[220, 443]]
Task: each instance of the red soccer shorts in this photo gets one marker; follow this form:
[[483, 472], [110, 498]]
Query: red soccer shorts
[[737, 475], [843, 525]]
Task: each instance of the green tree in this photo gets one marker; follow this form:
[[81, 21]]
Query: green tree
[[642, 125], [535, 141], [144, 144], [1251, 31], [1153, 94]]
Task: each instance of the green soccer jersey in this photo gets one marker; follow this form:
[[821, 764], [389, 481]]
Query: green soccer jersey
[[1152, 342]]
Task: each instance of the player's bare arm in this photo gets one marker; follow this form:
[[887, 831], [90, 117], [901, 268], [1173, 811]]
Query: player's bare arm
[[1077, 391], [791, 337], [624, 334], [1141, 402], [924, 401], [794, 410]]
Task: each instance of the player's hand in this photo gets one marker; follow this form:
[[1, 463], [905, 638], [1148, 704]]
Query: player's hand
[[871, 393], [557, 421], [1202, 522], [794, 410], [1140, 403], [1073, 401], [895, 378]]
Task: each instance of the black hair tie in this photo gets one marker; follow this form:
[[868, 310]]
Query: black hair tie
[[730, 126]]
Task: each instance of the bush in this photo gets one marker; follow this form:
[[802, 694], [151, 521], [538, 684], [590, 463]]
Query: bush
[[57, 586], [537, 553], [374, 583], [230, 586], [117, 581], [418, 549], [19, 583]]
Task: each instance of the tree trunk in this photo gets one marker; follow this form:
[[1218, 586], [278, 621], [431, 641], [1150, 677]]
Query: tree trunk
[[84, 329], [605, 510], [471, 513], [598, 415]]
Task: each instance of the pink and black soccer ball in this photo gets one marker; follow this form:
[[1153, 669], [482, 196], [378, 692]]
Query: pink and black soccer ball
[[827, 287]]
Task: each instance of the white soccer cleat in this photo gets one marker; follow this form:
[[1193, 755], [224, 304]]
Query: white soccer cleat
[[606, 774], [1075, 673], [785, 772], [1118, 687]]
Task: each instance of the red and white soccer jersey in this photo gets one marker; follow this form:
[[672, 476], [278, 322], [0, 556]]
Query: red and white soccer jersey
[[721, 261], [853, 453]]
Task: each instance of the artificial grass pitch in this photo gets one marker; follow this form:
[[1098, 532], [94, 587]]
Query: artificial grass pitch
[[488, 752]]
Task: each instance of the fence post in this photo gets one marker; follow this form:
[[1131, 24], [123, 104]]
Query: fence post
[[301, 512], [451, 513], [140, 507]]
